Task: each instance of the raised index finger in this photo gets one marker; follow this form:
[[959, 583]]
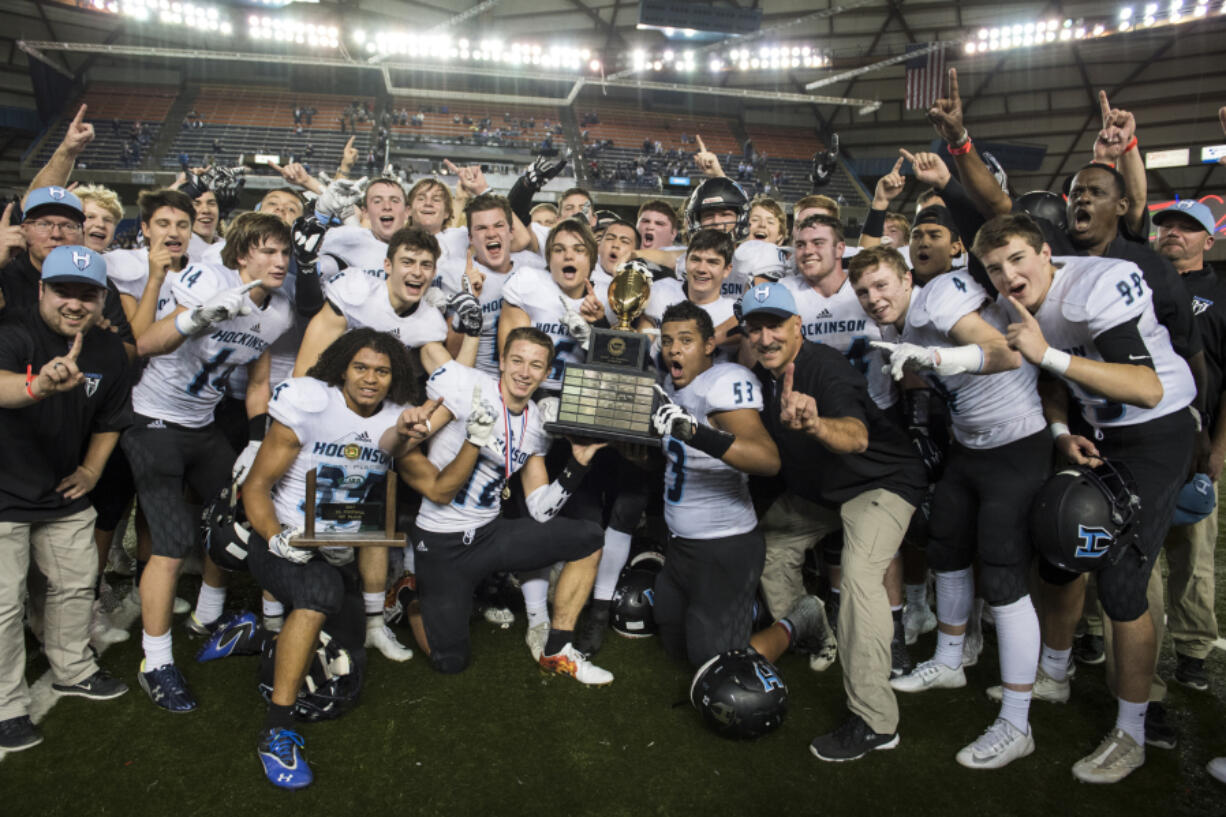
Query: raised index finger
[[349, 144], [450, 165], [8, 213], [76, 120], [788, 375], [1022, 312], [1105, 107], [701, 147], [905, 157], [953, 84], [76, 348]]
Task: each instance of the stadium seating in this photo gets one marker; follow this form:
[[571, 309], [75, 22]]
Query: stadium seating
[[112, 110], [444, 123]]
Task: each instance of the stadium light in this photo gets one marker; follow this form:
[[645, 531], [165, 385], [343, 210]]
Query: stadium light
[[185, 15], [766, 57], [284, 30]]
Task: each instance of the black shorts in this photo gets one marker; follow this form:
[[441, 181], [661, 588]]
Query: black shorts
[[230, 416], [114, 492], [450, 565], [165, 458], [335, 591], [1158, 454], [704, 597], [982, 505]]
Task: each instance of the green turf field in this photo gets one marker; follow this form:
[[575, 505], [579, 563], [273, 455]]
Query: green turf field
[[501, 739]]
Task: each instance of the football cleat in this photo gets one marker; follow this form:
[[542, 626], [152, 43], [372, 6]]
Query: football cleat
[[501, 616], [101, 631], [825, 657], [1089, 649], [1114, 759], [396, 604], [809, 628], [535, 639], [234, 634], [998, 746], [285, 764], [917, 619], [181, 606], [569, 661], [385, 641], [1046, 688], [1217, 769], [167, 688], [930, 674], [197, 627]]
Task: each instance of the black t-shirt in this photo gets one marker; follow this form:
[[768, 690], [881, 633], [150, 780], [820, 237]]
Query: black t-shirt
[[814, 472], [43, 443], [1208, 292], [19, 284]]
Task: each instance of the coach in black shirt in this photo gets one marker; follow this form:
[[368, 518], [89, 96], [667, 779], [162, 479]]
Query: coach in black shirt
[[844, 465], [64, 398]]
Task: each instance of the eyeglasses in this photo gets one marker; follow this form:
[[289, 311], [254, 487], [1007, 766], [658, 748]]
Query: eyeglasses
[[45, 226]]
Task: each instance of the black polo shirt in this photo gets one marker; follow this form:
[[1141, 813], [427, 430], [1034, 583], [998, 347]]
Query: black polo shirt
[[19, 284], [1208, 292], [43, 443], [814, 472]]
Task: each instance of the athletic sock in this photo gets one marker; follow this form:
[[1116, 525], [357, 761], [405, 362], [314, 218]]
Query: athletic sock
[[373, 603], [157, 650], [949, 649], [612, 559], [557, 640], [209, 603], [1055, 662], [1130, 717], [789, 628], [279, 717], [272, 608], [1015, 708], [916, 594], [535, 588]]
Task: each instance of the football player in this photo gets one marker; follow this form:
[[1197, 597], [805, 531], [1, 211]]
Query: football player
[[166, 218], [657, 225], [1089, 324], [950, 330], [461, 536], [342, 421], [708, 262], [215, 318], [767, 221], [103, 212]]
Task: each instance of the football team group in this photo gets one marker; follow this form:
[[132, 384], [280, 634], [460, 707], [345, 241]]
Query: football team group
[[998, 412]]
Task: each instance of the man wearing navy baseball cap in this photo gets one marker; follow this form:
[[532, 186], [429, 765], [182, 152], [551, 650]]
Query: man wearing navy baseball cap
[[64, 398], [844, 465], [1185, 232], [53, 218]]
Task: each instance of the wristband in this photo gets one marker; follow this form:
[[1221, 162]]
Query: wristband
[[874, 224], [961, 140], [1055, 361], [572, 475], [257, 427], [711, 441], [1132, 144], [960, 149], [30, 380], [1058, 430]]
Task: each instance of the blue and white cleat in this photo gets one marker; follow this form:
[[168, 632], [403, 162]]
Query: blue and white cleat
[[285, 764], [236, 634], [167, 688]]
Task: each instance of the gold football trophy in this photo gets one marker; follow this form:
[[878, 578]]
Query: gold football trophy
[[611, 395]]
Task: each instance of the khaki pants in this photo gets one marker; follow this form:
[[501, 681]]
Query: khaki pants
[[1189, 559], [64, 552], [873, 526]]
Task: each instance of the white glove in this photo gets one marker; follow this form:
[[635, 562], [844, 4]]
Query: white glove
[[479, 428], [336, 555], [578, 328], [944, 361], [222, 306], [902, 354], [279, 545], [339, 198], [435, 298], [242, 465], [549, 409], [671, 418]]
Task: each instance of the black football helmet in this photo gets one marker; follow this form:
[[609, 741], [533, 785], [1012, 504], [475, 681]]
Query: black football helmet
[[332, 683], [1083, 518], [225, 530], [1046, 205], [630, 614], [740, 694], [720, 193]]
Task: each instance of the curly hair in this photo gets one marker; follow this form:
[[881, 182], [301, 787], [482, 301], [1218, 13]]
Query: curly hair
[[406, 385]]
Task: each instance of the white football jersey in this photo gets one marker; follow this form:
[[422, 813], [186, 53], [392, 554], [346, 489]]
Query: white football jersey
[[987, 411], [534, 291], [479, 501], [841, 323], [704, 497], [355, 246], [128, 270], [452, 242], [449, 277], [1090, 295], [183, 386], [363, 300], [669, 291], [756, 257], [338, 444], [199, 250]]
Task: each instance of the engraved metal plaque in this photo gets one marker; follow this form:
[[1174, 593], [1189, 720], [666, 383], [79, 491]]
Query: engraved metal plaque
[[606, 402]]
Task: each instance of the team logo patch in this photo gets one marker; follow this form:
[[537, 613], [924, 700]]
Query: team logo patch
[[762, 293], [468, 536], [352, 451], [1199, 304], [92, 382], [81, 260], [57, 193], [1095, 542]]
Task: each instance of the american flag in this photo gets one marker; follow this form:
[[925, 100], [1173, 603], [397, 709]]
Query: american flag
[[925, 76]]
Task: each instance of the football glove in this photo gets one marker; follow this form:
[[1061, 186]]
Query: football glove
[[222, 306], [226, 183], [242, 466], [339, 198], [435, 298], [307, 235], [672, 419], [578, 328], [466, 314], [479, 427], [549, 409], [280, 545], [541, 171], [944, 361]]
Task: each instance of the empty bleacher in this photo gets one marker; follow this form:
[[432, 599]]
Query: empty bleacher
[[515, 126], [113, 110]]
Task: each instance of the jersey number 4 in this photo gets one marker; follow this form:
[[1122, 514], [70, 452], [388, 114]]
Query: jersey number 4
[[206, 371]]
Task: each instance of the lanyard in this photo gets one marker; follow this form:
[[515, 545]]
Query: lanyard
[[509, 450]]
